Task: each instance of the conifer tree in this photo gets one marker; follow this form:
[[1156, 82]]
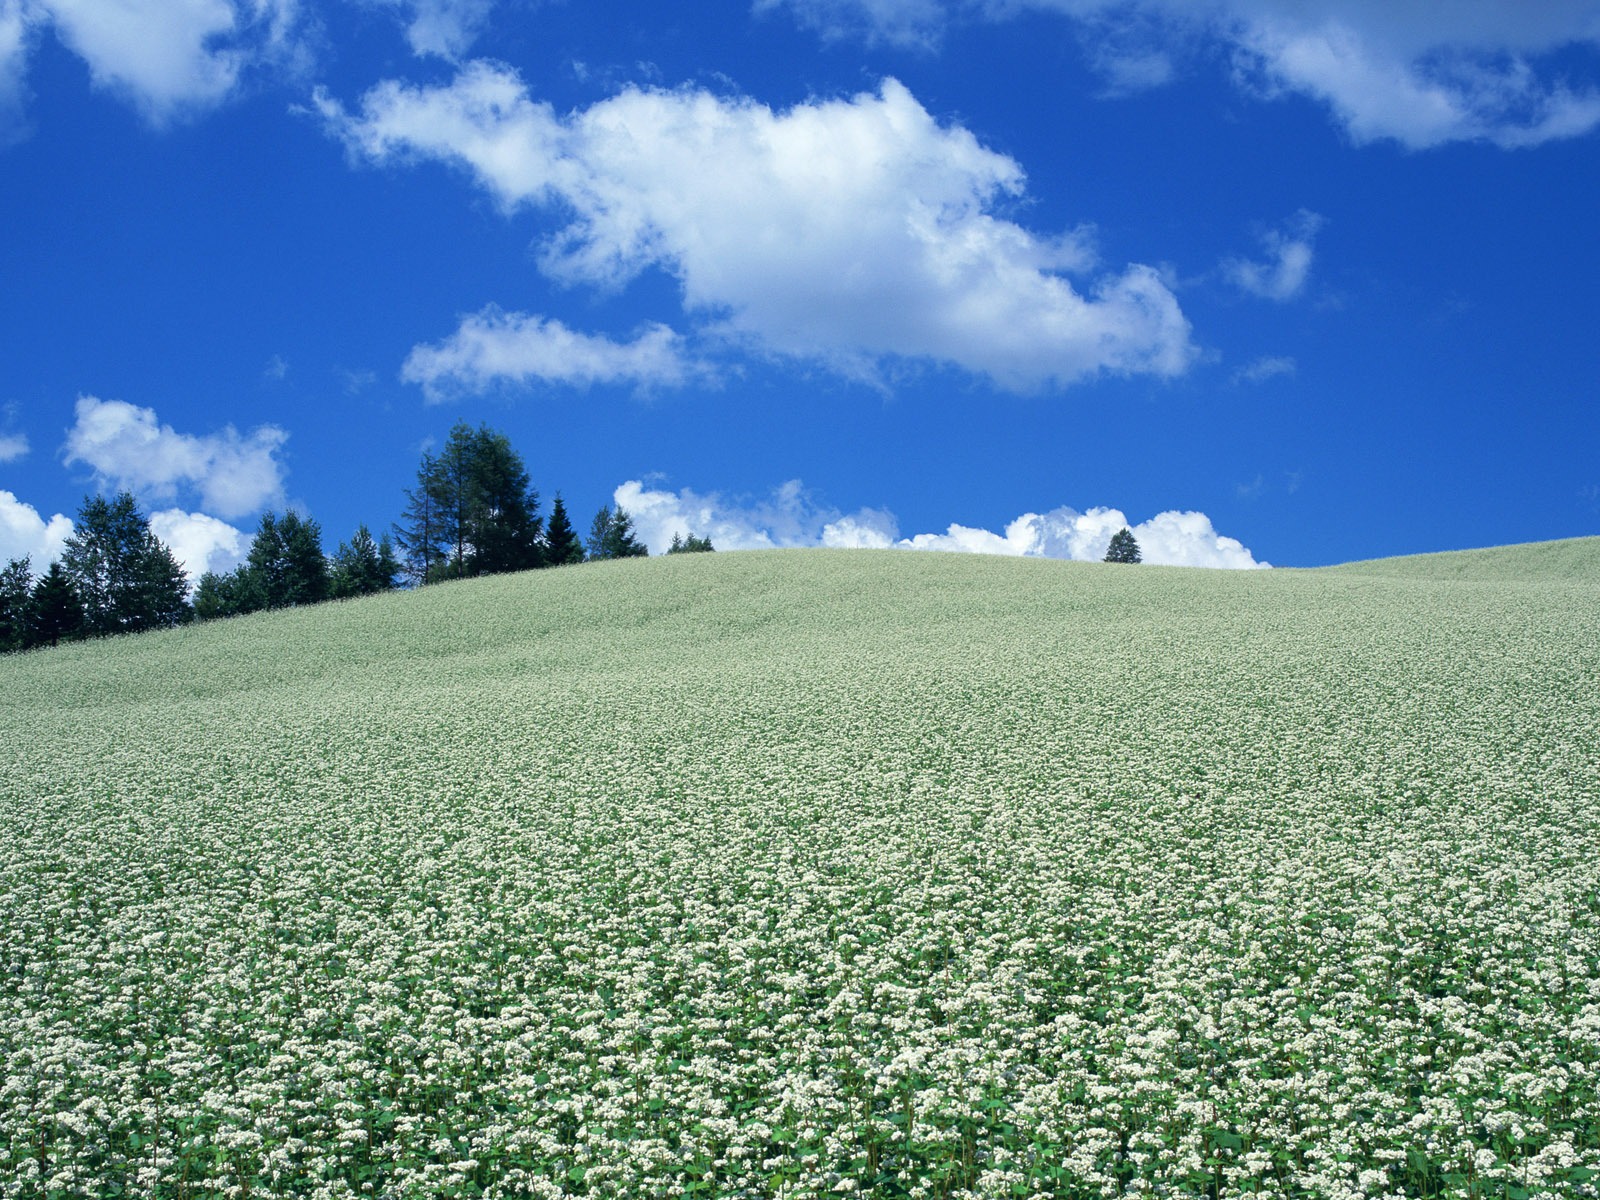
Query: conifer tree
[[419, 531], [286, 566], [1124, 547], [125, 578], [472, 512], [362, 566], [561, 544], [611, 535], [16, 604], [690, 544], [56, 611]]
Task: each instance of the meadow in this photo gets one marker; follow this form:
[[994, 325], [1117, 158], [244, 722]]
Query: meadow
[[811, 873]]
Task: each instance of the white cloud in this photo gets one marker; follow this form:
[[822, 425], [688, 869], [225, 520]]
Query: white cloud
[[493, 347], [1282, 274], [853, 232], [443, 28], [13, 446], [127, 447], [1417, 72], [1262, 369], [25, 534], [14, 38], [167, 57], [793, 516], [199, 542]]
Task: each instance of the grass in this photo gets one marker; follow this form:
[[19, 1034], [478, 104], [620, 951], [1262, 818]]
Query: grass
[[811, 872]]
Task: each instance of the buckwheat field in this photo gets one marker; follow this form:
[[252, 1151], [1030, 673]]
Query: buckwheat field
[[809, 873]]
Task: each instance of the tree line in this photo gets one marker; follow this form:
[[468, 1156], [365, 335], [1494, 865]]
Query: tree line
[[472, 512]]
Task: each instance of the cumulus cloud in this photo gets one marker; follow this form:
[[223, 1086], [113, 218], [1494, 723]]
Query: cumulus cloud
[[167, 57], [26, 534], [1282, 274], [491, 347], [793, 516], [13, 446], [854, 232], [1412, 71], [199, 542], [127, 447]]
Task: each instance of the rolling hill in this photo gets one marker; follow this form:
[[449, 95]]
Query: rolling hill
[[799, 871]]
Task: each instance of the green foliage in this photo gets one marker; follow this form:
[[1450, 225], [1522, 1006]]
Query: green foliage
[[473, 511], [611, 535], [125, 578], [689, 544], [362, 566], [16, 604], [286, 565], [56, 612], [230, 595], [561, 544], [1124, 547]]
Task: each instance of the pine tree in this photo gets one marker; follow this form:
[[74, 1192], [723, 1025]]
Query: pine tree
[[599, 528], [611, 535], [56, 610], [504, 520], [286, 565], [419, 532], [362, 566], [125, 578], [561, 545], [1124, 548], [16, 604]]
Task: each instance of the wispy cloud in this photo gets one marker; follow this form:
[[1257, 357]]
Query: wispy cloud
[[1282, 274], [1262, 369]]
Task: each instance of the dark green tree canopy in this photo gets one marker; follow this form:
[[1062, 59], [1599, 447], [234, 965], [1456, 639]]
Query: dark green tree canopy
[[286, 563], [1124, 547], [561, 544], [473, 511], [16, 604], [125, 578], [362, 566], [689, 544], [611, 535], [55, 612]]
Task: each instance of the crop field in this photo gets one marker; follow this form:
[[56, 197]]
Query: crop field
[[809, 873]]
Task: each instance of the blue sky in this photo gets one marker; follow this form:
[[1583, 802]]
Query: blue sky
[[1271, 281]]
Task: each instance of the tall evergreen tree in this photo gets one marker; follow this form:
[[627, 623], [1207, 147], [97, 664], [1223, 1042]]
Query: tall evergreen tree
[[125, 578], [419, 531], [16, 604], [286, 564], [229, 595], [561, 544], [56, 611], [690, 544], [472, 512]]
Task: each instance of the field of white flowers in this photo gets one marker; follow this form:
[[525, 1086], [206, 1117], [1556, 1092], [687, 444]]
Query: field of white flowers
[[813, 873]]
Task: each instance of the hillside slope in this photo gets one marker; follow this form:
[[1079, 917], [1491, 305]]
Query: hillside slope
[[1576, 559], [799, 871]]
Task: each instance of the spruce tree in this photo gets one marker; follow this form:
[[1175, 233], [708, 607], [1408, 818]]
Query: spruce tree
[[690, 544], [419, 531], [125, 578], [561, 545], [362, 566], [620, 541], [16, 604], [1124, 547], [56, 611], [286, 565], [599, 528]]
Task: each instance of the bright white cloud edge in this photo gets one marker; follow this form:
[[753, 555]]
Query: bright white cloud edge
[[854, 232], [792, 516], [26, 534], [129, 448]]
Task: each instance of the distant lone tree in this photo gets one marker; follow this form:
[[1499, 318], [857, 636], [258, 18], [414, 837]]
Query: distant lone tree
[[1124, 547]]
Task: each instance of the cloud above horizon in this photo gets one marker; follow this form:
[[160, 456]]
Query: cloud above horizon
[[1282, 274], [491, 348], [26, 534], [1410, 71], [167, 58], [128, 447], [793, 516], [857, 233]]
